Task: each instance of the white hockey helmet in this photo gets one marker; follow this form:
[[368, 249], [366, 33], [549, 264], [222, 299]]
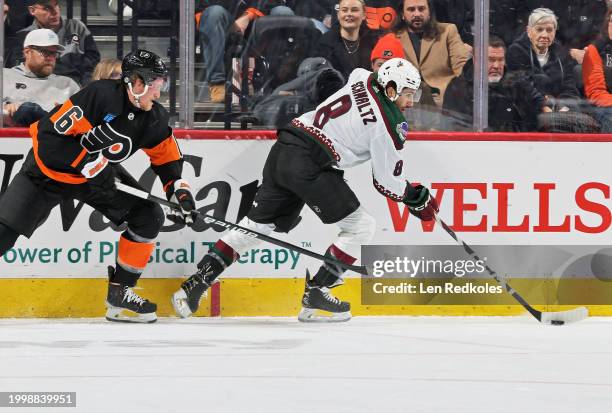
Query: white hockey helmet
[[402, 73]]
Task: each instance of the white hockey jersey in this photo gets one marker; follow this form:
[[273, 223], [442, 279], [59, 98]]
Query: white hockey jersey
[[358, 123]]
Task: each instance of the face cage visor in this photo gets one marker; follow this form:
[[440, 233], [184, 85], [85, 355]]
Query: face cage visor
[[159, 83], [415, 94]]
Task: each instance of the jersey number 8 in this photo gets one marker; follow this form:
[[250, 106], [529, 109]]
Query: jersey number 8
[[331, 111]]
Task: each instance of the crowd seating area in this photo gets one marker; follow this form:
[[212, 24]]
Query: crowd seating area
[[259, 63]]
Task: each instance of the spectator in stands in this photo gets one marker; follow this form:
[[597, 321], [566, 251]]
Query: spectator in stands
[[316, 80], [16, 17], [31, 89], [535, 53], [386, 48], [434, 48], [579, 22], [217, 19], [80, 54], [320, 11], [349, 45], [504, 17], [109, 68], [513, 101], [597, 75], [380, 14]]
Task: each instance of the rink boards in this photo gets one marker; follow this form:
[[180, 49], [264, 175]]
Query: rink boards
[[494, 189]]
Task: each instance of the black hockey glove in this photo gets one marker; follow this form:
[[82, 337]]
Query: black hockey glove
[[420, 203], [103, 183], [179, 192]]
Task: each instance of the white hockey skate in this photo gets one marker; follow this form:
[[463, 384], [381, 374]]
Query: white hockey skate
[[318, 305]]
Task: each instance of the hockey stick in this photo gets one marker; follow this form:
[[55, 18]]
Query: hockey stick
[[552, 317], [228, 225]]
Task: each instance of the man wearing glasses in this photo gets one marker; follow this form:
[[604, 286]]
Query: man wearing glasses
[[31, 89], [80, 54]]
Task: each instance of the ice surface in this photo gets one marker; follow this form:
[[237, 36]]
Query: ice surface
[[370, 364]]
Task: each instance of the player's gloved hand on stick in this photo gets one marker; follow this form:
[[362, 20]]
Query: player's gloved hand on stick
[[420, 202], [103, 183], [179, 192]]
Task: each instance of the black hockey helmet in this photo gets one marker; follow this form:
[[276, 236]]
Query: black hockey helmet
[[147, 65]]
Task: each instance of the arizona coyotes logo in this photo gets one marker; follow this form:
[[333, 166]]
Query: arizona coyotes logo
[[402, 130]]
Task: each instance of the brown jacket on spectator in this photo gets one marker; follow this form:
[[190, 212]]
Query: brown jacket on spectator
[[442, 57]]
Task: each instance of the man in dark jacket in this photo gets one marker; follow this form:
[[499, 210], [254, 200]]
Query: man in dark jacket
[[217, 20], [80, 55], [513, 101], [316, 80], [16, 17]]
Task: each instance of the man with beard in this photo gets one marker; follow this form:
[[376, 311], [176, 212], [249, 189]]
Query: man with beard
[[80, 54], [513, 100], [434, 48], [31, 89]]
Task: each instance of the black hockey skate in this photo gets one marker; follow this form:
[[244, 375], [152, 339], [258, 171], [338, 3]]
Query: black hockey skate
[[123, 304], [317, 299], [187, 299]]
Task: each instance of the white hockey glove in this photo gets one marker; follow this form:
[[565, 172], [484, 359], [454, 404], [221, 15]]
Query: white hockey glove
[[179, 192]]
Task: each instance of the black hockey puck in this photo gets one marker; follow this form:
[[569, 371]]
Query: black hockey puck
[[557, 322]]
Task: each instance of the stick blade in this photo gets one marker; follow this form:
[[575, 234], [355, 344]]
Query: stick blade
[[564, 317]]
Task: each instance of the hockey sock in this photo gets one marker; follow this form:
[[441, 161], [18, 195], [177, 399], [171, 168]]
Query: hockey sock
[[329, 274], [324, 277], [132, 259], [124, 277], [223, 252]]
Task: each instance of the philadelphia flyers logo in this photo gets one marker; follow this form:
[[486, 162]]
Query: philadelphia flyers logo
[[104, 138]]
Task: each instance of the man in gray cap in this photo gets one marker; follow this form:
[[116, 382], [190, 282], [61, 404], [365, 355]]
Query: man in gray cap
[[80, 54], [31, 89]]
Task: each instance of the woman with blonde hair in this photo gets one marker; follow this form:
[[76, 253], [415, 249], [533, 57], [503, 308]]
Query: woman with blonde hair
[[349, 45], [109, 68]]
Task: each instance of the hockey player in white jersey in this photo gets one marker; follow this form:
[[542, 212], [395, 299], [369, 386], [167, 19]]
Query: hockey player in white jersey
[[362, 121]]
